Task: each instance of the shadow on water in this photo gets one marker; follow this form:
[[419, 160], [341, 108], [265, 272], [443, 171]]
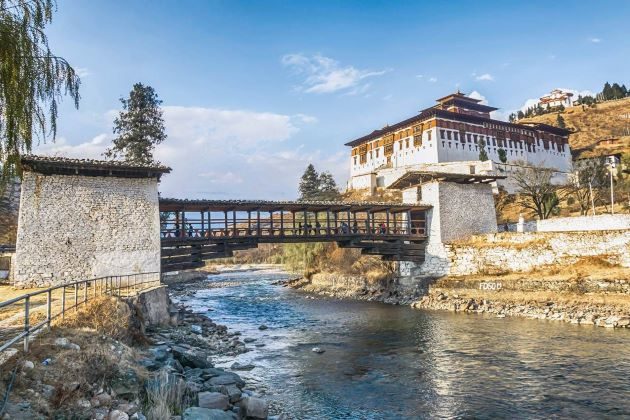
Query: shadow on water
[[384, 361]]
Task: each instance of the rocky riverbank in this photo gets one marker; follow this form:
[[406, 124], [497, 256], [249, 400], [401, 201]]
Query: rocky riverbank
[[609, 315], [128, 366], [355, 288], [598, 302]]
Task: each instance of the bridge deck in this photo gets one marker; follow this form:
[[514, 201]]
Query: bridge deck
[[196, 230]]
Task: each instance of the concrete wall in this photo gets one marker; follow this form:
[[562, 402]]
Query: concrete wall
[[9, 204], [522, 252], [78, 227], [572, 224]]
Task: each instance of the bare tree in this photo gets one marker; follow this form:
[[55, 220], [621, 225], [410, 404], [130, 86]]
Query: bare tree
[[587, 183], [536, 192]]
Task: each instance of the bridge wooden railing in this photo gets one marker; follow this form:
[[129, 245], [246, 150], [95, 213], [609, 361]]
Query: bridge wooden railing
[[266, 219]]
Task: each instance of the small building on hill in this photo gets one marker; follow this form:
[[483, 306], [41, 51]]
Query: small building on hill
[[556, 98], [83, 219], [451, 135]]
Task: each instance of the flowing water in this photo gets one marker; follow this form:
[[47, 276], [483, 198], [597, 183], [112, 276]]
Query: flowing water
[[383, 361]]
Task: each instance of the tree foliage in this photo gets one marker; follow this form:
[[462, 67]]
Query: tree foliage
[[502, 155], [140, 126], [483, 155], [32, 80], [536, 191], [314, 186], [560, 122]]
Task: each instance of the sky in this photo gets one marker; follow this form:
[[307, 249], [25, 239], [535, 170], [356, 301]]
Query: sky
[[254, 91]]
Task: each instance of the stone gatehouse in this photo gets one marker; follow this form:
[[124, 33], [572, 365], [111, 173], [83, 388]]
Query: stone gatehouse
[[81, 219]]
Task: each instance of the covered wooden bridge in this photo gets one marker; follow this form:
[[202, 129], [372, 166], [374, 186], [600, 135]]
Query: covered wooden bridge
[[196, 230]]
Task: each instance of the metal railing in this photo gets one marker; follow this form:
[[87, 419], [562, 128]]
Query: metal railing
[[80, 293]]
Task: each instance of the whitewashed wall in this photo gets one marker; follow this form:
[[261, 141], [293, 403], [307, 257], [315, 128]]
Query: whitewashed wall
[[80, 227]]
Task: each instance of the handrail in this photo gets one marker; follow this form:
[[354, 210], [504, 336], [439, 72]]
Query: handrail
[[124, 285]]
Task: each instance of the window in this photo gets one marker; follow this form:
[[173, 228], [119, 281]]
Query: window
[[469, 138], [417, 140], [370, 155], [475, 138], [376, 152], [448, 135], [407, 143], [456, 134], [355, 160], [494, 141], [442, 135], [429, 135]]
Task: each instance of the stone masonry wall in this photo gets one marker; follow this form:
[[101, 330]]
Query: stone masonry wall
[[522, 252], [80, 227]]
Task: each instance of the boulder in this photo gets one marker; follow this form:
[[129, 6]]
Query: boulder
[[191, 358], [263, 327], [238, 366], [227, 378], [199, 413], [153, 306], [213, 400], [232, 391], [118, 415], [253, 407]]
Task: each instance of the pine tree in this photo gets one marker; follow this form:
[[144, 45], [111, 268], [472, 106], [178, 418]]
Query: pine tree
[[327, 187], [140, 127], [309, 184], [502, 155], [560, 122], [607, 92], [520, 115]]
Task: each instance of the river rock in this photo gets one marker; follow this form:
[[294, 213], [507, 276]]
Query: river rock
[[249, 340], [191, 358], [318, 350], [213, 400], [263, 327], [118, 415], [199, 413], [238, 366], [228, 378], [254, 407], [232, 391], [196, 329]]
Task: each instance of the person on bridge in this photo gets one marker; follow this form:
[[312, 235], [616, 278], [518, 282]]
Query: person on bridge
[[355, 227], [190, 230], [383, 228], [318, 228]]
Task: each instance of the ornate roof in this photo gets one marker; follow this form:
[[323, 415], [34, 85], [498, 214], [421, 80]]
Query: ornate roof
[[175, 204], [49, 165]]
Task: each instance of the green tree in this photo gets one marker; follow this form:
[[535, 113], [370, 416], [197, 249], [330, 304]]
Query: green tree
[[560, 122], [32, 80], [140, 127], [483, 155], [520, 115], [327, 187], [502, 155], [309, 184]]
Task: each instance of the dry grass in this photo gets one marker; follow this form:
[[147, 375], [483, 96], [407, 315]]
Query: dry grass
[[106, 315], [502, 240], [166, 396], [95, 366], [590, 124]]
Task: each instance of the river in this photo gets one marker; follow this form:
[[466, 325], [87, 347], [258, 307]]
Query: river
[[383, 361]]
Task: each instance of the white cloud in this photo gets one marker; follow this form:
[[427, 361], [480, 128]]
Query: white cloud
[[476, 95], [219, 153], [82, 71], [419, 76], [325, 75], [388, 97], [433, 79], [485, 77], [595, 40]]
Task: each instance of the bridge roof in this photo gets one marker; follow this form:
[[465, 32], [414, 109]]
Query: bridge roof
[[420, 177], [49, 165], [174, 204]]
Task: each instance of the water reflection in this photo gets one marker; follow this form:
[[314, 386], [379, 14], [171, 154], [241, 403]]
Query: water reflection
[[393, 362]]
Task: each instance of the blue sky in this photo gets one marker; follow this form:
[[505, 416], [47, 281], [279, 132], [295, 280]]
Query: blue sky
[[255, 90]]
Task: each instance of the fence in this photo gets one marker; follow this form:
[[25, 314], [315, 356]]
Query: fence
[[30, 304]]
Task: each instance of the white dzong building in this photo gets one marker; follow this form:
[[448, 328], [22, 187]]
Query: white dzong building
[[447, 137]]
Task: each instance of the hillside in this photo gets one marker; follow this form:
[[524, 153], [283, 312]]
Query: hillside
[[604, 121]]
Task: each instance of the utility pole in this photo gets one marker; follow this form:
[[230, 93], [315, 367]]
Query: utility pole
[[612, 164]]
